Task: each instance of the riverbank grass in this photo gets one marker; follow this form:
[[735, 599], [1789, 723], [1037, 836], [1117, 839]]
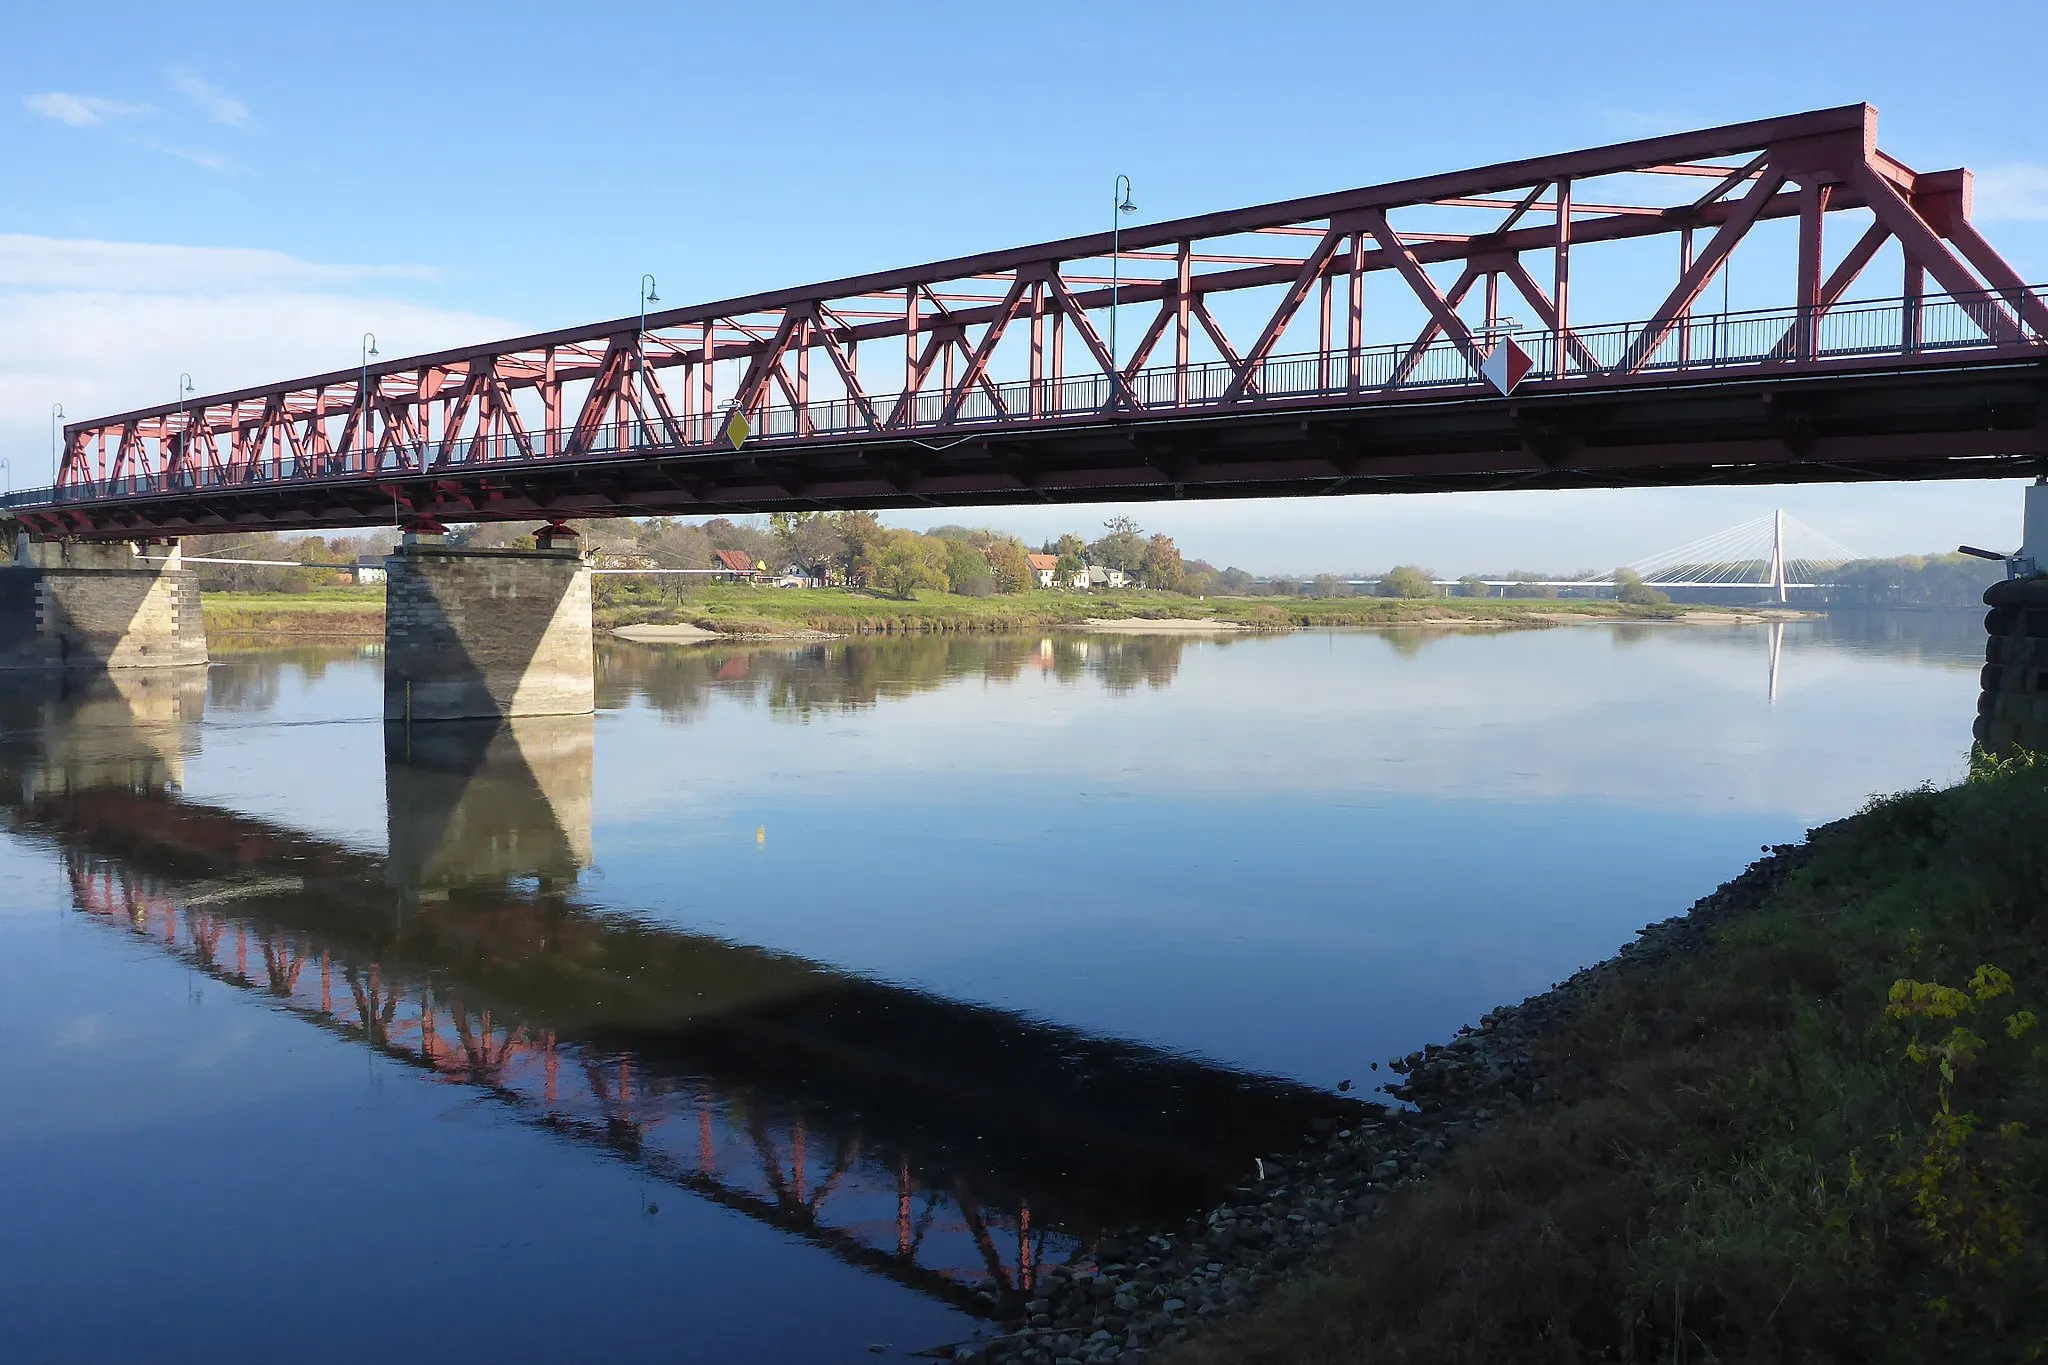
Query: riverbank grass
[[338, 611], [1822, 1136], [754, 610], [748, 609]]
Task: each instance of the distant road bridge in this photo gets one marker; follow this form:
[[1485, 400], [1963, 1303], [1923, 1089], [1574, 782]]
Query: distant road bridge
[[998, 378], [1774, 552]]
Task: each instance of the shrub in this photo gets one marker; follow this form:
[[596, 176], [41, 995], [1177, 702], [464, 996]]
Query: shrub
[[1406, 580]]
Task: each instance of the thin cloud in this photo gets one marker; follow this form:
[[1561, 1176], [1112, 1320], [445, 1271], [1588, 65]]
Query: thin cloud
[[108, 326], [198, 156], [2016, 192], [81, 111], [214, 102], [49, 263]]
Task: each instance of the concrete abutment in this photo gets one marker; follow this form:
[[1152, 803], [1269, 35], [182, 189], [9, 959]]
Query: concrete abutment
[[486, 634]]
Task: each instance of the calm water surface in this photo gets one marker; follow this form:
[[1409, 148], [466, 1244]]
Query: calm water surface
[[805, 997]]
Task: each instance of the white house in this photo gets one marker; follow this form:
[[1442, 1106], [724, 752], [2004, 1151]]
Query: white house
[[1095, 576], [369, 569], [1043, 567]]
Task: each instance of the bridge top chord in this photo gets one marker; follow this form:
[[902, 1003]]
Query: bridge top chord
[[999, 377]]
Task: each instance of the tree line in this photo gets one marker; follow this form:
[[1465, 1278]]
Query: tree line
[[1913, 581], [856, 550]]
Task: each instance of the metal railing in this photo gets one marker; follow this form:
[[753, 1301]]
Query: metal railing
[[1886, 329]]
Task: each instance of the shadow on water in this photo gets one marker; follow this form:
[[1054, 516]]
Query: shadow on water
[[953, 1147]]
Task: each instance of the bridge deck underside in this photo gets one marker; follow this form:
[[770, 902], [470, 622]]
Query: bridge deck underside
[[1983, 418]]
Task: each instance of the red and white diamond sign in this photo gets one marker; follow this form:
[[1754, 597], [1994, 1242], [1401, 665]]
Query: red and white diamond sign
[[1505, 365]]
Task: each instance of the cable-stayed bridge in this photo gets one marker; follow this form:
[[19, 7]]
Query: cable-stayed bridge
[[1774, 552]]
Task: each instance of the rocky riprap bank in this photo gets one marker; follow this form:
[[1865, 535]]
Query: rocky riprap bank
[[1148, 1288]]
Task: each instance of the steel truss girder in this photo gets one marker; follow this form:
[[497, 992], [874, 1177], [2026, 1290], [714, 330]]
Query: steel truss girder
[[605, 389], [1979, 419]]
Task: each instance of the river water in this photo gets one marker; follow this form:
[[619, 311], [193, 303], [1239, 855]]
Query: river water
[[807, 1000]]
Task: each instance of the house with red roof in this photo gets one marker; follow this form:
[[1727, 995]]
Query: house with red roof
[[734, 562]]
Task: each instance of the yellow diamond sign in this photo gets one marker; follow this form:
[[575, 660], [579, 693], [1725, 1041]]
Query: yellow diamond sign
[[737, 431]]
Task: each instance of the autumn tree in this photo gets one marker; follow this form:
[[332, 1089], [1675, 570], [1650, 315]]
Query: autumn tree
[[906, 561], [1007, 563], [1163, 568]]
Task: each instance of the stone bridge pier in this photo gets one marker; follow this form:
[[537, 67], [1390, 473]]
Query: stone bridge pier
[[2012, 708], [98, 605], [486, 634]]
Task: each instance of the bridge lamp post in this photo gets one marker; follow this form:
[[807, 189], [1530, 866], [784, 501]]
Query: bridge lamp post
[[363, 397], [56, 416], [1120, 201], [647, 296], [184, 421]]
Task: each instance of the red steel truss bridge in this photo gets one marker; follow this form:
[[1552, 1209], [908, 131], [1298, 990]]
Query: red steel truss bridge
[[1902, 346]]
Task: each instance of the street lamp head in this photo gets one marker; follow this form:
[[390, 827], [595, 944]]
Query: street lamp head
[[647, 290], [369, 344], [185, 385], [1124, 204]]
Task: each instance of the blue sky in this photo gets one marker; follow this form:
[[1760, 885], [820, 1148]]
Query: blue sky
[[240, 191]]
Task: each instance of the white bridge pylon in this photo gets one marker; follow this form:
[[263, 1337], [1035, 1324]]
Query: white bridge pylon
[[1773, 552]]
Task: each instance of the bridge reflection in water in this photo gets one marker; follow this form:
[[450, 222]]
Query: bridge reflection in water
[[953, 1147]]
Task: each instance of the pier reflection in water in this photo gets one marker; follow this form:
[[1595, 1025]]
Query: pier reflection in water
[[955, 1148]]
